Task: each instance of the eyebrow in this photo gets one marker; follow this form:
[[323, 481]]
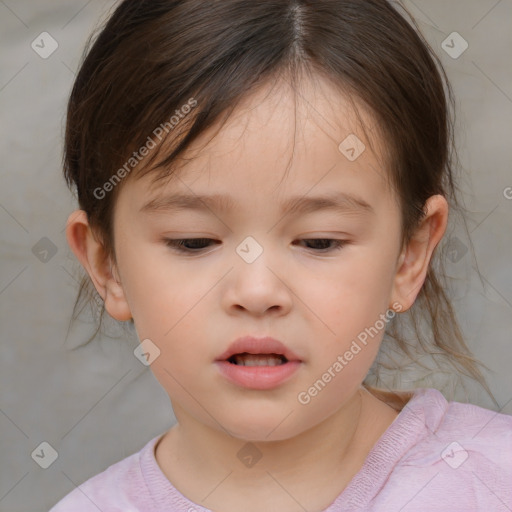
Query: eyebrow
[[297, 205]]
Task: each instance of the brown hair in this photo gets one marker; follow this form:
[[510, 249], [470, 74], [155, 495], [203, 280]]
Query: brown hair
[[152, 56]]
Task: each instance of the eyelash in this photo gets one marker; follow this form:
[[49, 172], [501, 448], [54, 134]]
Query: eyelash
[[178, 244]]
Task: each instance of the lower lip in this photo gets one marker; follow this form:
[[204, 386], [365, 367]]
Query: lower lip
[[258, 377]]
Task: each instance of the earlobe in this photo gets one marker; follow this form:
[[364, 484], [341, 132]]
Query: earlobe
[[415, 257], [93, 257]]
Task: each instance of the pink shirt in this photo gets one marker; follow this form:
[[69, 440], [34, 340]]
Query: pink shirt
[[435, 456]]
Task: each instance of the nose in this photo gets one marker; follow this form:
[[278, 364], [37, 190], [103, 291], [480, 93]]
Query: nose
[[258, 288]]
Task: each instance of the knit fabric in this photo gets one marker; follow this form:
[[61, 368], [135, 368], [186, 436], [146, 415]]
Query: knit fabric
[[436, 455]]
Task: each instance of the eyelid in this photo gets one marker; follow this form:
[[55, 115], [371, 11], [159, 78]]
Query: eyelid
[[177, 245]]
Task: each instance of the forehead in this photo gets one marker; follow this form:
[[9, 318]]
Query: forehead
[[304, 130]]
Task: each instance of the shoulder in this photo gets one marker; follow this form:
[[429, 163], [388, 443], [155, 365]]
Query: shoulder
[[443, 420], [120, 488], [463, 455], [463, 427]]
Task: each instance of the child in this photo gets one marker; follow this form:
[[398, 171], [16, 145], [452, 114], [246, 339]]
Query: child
[[262, 186]]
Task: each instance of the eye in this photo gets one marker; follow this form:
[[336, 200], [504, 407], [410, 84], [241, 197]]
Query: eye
[[182, 244], [194, 245], [338, 244]]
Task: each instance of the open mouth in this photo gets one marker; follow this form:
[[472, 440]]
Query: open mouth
[[246, 359]]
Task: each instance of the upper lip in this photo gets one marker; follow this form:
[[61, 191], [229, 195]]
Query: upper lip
[[253, 345]]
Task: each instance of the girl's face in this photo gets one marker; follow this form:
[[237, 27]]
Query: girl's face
[[261, 272]]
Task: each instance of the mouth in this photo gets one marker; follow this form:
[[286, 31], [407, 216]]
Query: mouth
[[251, 351], [258, 363], [246, 359]]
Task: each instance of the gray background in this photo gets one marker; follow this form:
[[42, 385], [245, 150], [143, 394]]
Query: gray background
[[79, 402]]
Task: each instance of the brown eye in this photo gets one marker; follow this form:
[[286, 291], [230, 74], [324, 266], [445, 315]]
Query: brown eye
[[187, 244], [324, 243]]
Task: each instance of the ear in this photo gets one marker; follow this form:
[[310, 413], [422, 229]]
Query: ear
[[93, 257], [414, 260]]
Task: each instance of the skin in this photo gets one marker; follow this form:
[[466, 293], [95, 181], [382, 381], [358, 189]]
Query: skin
[[315, 301]]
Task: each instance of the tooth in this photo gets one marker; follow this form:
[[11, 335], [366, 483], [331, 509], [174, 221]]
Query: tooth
[[257, 360]]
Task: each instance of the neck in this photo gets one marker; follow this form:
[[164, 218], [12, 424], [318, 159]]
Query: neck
[[336, 431], [195, 457]]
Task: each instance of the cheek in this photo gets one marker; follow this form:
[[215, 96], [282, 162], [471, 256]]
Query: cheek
[[159, 295], [183, 349], [171, 309], [349, 304]]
